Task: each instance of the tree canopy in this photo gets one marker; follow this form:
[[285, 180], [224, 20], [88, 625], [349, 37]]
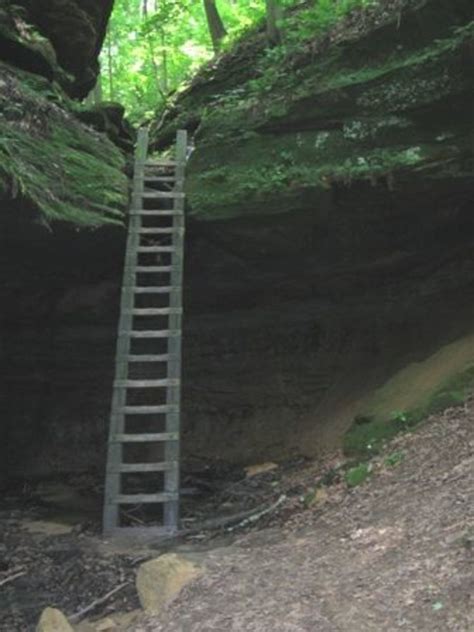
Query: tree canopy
[[154, 46]]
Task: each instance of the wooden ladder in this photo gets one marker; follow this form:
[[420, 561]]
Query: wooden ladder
[[143, 448]]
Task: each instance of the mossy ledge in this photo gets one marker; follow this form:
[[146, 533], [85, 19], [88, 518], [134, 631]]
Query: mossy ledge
[[392, 105], [66, 170]]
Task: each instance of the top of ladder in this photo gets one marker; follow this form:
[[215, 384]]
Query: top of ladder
[[181, 154]]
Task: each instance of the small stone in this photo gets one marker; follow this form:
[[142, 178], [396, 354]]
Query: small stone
[[46, 528], [106, 624], [160, 581], [53, 620], [319, 497]]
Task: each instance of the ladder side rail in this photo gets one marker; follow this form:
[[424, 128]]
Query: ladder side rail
[[173, 398], [111, 515]]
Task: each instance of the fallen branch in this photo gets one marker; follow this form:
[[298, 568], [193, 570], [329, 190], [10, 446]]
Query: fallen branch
[[75, 618], [243, 518], [259, 514], [12, 578]]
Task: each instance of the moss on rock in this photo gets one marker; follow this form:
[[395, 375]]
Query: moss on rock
[[69, 172]]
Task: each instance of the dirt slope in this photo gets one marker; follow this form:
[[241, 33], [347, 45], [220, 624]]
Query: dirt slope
[[393, 554]]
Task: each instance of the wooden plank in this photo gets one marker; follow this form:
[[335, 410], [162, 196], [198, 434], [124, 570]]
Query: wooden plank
[[132, 499], [173, 421], [162, 194], [156, 249], [145, 437], [168, 230], [149, 410], [164, 333], [170, 179], [164, 289], [164, 357], [159, 231], [147, 467], [145, 383], [117, 420], [160, 163], [156, 311], [150, 269], [156, 212]]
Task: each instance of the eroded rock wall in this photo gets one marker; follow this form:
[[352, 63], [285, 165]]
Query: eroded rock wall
[[309, 282], [57, 38], [288, 329]]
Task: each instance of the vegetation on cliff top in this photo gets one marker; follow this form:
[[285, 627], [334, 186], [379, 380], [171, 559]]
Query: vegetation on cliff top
[[355, 115], [153, 48]]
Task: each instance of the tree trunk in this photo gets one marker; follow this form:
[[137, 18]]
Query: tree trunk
[[274, 13], [164, 65], [110, 62], [216, 26]]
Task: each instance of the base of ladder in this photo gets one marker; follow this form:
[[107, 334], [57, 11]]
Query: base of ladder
[[142, 533]]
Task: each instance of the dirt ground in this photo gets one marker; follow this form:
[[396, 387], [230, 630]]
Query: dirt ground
[[290, 548], [396, 553]]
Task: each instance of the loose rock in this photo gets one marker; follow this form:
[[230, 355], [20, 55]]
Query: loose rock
[[160, 581], [53, 620]]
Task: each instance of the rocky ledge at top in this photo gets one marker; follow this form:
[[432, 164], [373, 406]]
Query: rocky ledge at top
[[65, 42], [385, 97]]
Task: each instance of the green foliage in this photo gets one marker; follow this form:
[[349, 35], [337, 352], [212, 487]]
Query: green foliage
[[150, 55], [147, 57], [318, 18], [358, 474]]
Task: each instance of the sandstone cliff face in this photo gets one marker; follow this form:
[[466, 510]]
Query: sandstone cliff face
[[329, 246], [332, 231]]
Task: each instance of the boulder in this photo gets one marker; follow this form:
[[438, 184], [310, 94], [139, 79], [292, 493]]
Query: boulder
[[53, 620], [160, 581]]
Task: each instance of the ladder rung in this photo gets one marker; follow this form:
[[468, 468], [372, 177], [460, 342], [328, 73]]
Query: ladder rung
[[160, 163], [164, 357], [148, 437], [156, 249], [163, 194], [148, 178], [164, 289], [152, 269], [154, 311], [168, 230], [144, 467], [149, 410], [145, 383], [164, 333], [157, 213], [132, 499]]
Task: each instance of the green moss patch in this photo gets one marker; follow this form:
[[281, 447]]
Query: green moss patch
[[68, 172], [355, 122], [442, 380], [357, 475]]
